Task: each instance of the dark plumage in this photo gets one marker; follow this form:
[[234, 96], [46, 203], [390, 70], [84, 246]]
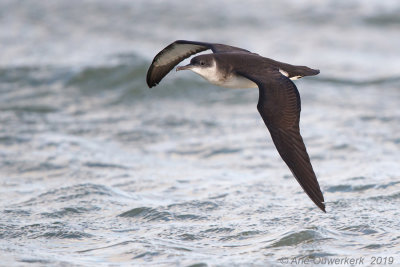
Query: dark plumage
[[279, 99]]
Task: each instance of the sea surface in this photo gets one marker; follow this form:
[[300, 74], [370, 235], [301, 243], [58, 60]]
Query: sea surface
[[96, 169]]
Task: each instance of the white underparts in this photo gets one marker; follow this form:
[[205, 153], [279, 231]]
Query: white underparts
[[209, 73], [213, 76], [284, 73], [235, 81]]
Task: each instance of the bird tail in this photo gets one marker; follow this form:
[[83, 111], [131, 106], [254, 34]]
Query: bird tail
[[304, 71]]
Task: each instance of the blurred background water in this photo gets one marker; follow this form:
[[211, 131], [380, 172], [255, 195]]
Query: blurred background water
[[96, 169]]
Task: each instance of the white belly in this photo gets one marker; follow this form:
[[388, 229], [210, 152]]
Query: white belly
[[236, 82], [211, 75]]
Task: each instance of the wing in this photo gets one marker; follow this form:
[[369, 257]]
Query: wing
[[179, 50], [279, 106]]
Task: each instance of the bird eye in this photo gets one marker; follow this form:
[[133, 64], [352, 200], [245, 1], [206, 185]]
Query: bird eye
[[202, 63]]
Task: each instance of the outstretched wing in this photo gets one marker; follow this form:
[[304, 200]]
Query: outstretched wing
[[179, 50], [279, 106]]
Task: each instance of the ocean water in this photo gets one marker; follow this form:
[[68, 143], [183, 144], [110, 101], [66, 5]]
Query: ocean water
[[98, 170]]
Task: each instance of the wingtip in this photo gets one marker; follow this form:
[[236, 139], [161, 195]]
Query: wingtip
[[321, 206], [150, 85], [151, 82]]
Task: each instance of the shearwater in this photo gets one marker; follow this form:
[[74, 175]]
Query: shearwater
[[278, 103]]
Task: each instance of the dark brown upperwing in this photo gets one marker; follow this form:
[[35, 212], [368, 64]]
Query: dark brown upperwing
[[279, 106], [168, 58], [179, 50], [216, 48]]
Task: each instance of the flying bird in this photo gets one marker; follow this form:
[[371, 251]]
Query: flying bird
[[278, 103]]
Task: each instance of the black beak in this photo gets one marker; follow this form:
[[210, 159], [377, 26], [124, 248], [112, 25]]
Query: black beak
[[187, 67]]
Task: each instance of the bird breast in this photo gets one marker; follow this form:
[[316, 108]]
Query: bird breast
[[235, 81], [216, 77]]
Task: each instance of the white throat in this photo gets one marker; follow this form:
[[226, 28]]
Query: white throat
[[209, 73], [212, 75]]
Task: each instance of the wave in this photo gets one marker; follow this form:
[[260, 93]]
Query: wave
[[56, 230], [124, 70], [151, 214], [72, 194], [388, 19], [354, 82], [296, 238], [127, 74]]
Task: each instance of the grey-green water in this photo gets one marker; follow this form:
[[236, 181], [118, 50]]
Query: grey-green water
[[98, 170]]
